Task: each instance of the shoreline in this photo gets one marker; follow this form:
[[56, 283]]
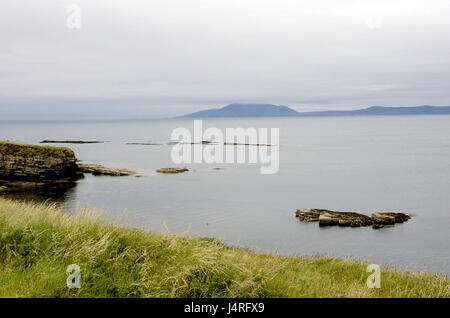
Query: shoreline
[[117, 261], [58, 186]]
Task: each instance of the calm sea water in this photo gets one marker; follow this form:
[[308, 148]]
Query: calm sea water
[[362, 164]]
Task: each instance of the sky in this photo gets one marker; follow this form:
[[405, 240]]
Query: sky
[[163, 58]]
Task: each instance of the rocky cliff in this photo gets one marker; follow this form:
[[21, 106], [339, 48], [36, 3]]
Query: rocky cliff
[[30, 165]]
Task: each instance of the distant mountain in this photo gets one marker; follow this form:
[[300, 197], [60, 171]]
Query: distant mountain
[[269, 110], [380, 110], [245, 110]]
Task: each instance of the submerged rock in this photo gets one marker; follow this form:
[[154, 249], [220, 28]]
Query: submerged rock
[[144, 144], [352, 219], [246, 144], [71, 142], [98, 170], [203, 142], [172, 170]]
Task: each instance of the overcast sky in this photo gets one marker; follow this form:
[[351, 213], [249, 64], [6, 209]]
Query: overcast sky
[[160, 58]]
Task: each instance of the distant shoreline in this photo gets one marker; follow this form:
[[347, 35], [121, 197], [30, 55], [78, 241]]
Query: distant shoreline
[[105, 120], [270, 110], [257, 111]]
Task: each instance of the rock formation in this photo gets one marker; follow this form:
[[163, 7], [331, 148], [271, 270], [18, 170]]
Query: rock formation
[[30, 166], [389, 218], [172, 170], [98, 170], [352, 219]]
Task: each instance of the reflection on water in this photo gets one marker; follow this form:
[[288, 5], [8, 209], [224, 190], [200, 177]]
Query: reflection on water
[[58, 194]]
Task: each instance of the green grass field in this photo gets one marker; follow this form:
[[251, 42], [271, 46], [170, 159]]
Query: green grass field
[[39, 241]]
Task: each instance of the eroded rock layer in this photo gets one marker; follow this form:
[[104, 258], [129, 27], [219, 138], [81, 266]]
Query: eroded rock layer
[[28, 165], [98, 170], [327, 217]]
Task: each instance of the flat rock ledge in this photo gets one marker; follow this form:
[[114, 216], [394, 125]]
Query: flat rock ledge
[[144, 143], [352, 219], [172, 170], [98, 170], [71, 142]]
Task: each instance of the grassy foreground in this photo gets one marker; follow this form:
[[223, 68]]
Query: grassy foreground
[[39, 241]]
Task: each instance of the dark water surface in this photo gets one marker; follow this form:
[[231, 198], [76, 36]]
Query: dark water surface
[[363, 164]]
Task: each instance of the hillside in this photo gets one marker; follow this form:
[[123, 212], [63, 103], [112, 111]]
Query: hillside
[[245, 110], [269, 110]]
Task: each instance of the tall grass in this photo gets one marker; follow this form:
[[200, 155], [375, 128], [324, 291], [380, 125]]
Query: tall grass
[[39, 241]]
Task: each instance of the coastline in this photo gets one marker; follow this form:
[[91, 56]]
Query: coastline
[[272, 227], [40, 240]]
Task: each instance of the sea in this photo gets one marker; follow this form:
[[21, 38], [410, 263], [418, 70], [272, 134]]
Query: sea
[[360, 164]]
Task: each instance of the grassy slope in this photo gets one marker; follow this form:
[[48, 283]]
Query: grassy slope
[[38, 242]]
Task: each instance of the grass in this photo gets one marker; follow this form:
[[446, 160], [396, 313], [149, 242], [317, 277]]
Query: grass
[[9, 148], [38, 241]]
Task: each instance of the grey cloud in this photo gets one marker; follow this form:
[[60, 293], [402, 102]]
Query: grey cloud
[[163, 58]]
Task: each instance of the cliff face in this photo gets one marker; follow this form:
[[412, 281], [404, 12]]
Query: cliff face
[[28, 165]]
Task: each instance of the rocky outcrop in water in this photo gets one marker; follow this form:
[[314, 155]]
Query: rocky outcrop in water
[[172, 170], [352, 219], [385, 218], [71, 142], [144, 143], [31, 166], [98, 170]]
